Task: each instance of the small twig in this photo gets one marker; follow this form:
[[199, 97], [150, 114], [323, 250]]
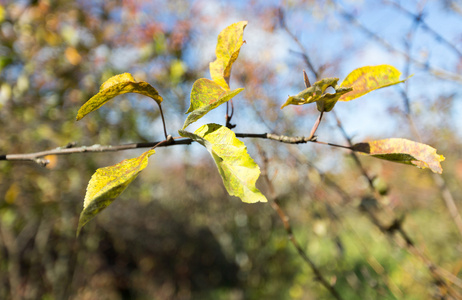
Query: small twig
[[307, 60], [396, 227], [425, 65], [163, 120], [418, 18], [285, 221], [315, 127]]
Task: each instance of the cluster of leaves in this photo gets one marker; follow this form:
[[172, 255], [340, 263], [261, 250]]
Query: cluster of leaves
[[237, 169]]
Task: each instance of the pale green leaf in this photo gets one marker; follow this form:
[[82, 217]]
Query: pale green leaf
[[229, 44], [403, 151], [367, 79], [237, 169], [114, 86], [205, 96], [317, 93], [108, 183]]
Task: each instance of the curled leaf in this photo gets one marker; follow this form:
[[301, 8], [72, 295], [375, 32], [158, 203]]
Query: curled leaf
[[237, 169], [114, 86], [403, 151], [367, 79], [229, 44], [108, 183], [205, 96], [317, 93]]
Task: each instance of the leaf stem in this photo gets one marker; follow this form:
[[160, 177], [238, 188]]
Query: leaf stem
[[163, 120], [315, 126]]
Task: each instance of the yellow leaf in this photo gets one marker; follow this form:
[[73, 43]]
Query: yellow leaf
[[367, 79], [403, 151], [108, 183], [205, 96], [238, 170], [118, 85], [229, 44]]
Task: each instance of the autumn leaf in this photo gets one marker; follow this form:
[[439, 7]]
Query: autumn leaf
[[108, 183], [317, 93], [205, 96], [228, 47], [367, 79], [237, 169], [403, 151], [114, 86]]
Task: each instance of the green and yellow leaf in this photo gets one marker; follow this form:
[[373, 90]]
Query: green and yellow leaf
[[229, 44], [237, 169], [403, 151], [367, 79], [114, 86], [317, 93], [205, 96], [108, 183]]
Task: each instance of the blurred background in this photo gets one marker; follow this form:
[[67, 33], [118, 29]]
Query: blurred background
[[175, 233]]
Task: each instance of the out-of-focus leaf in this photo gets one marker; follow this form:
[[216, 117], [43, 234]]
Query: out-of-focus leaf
[[403, 151], [237, 169], [316, 93], [205, 96], [229, 44], [366, 79], [114, 86], [108, 183]]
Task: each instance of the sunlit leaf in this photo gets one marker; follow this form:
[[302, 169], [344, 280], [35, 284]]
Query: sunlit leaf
[[108, 183], [118, 85], [317, 93], [205, 96], [237, 169], [403, 151], [229, 44], [366, 79]]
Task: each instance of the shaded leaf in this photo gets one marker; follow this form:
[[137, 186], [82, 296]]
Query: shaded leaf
[[316, 93], [108, 183], [237, 169], [403, 151], [114, 86], [229, 44], [366, 79], [205, 96]]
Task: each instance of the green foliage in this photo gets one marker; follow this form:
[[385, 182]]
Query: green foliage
[[237, 169], [316, 93], [108, 183]]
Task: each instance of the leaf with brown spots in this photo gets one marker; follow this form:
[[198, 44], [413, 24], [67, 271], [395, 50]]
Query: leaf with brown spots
[[229, 45], [108, 183], [403, 151], [114, 86], [367, 79], [317, 93], [205, 96]]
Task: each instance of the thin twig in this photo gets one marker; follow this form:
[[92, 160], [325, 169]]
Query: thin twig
[[307, 60], [396, 227], [38, 156], [163, 120], [285, 220], [315, 126], [424, 65], [419, 19]]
